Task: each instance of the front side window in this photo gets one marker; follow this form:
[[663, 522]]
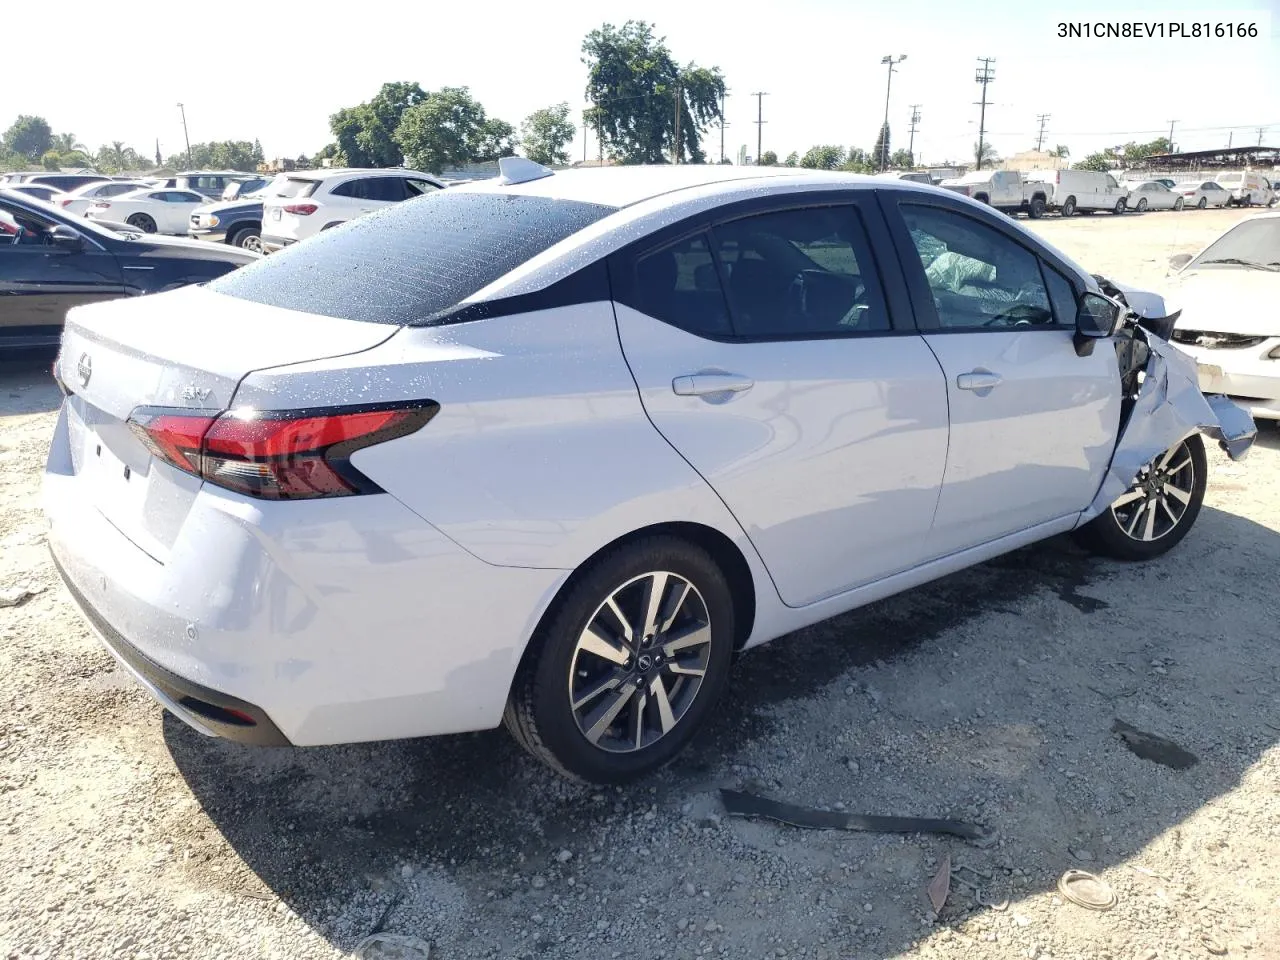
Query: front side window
[[800, 273], [1111, 182], [979, 278]]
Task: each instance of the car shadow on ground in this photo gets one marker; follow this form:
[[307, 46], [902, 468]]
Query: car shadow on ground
[[1035, 652], [26, 385]]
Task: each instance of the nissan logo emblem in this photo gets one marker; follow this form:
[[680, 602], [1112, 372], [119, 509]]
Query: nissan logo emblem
[[84, 368]]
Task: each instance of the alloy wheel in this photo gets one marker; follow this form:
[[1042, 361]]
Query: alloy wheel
[[640, 662], [1154, 506]]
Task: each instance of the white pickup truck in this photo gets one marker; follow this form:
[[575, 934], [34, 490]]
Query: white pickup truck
[[1003, 189]]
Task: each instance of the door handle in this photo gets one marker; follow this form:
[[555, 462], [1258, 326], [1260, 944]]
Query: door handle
[[978, 380], [704, 384]]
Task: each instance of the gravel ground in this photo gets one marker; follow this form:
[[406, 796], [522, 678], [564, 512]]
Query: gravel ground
[[987, 696]]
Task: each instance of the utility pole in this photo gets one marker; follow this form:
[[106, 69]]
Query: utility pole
[[884, 130], [723, 94], [1171, 123], [760, 122], [915, 121], [1261, 131], [1042, 119], [676, 151], [184, 134], [984, 76], [1231, 135]]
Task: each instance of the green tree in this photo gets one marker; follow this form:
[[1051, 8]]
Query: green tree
[[51, 160], [29, 137], [987, 157], [546, 134], [638, 90], [902, 160], [449, 128], [365, 133], [1102, 162], [67, 143], [823, 157], [1134, 153], [115, 157], [793, 159], [858, 160], [768, 159], [880, 152]]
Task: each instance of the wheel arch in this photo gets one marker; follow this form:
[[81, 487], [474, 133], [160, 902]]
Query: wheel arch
[[726, 554]]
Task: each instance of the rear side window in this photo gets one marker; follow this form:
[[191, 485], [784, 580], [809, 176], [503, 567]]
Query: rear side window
[[412, 262], [678, 285]]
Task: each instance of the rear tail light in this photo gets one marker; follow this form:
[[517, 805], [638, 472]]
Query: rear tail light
[[66, 203], [301, 209], [1274, 354], [277, 454]]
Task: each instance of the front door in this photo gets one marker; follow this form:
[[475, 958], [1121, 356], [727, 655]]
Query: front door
[[770, 353], [40, 282], [1033, 425]]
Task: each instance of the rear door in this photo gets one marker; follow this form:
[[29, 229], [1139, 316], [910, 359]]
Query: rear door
[[1033, 425], [773, 348], [40, 282]]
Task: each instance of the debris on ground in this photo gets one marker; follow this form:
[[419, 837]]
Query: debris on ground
[[1153, 747], [17, 596], [739, 804], [391, 946], [1086, 890], [940, 886]]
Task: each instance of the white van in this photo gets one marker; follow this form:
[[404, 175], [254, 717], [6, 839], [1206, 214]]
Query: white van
[[1085, 191], [1247, 188]]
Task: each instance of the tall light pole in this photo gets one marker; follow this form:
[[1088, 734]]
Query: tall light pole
[[185, 136], [760, 121], [891, 62]]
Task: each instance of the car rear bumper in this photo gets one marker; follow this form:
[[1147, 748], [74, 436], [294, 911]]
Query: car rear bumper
[[306, 622], [271, 244]]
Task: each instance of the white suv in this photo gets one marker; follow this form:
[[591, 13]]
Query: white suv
[[303, 204]]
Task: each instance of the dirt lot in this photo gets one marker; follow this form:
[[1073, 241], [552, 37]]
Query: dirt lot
[[987, 696]]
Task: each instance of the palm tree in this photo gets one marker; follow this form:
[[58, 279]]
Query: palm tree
[[111, 158], [67, 143], [1061, 150]]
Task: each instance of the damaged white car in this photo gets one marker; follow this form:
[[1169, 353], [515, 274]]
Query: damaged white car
[[549, 449], [1228, 297]]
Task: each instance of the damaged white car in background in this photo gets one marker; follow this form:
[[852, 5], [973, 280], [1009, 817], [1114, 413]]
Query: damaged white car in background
[[1228, 297], [548, 449]]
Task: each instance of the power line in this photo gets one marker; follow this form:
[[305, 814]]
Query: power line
[[760, 121], [984, 76], [1042, 119]]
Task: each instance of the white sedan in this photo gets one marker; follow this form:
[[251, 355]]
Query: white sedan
[[1153, 195], [549, 448], [1203, 193], [79, 200], [1229, 323], [149, 210]]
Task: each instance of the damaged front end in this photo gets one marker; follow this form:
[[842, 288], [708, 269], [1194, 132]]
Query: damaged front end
[[1162, 401]]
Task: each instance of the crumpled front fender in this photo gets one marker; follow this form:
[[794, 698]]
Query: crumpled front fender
[[1169, 407]]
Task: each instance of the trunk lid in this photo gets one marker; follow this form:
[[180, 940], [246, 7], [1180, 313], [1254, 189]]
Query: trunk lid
[[186, 349]]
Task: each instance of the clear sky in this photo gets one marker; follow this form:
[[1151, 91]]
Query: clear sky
[[279, 72]]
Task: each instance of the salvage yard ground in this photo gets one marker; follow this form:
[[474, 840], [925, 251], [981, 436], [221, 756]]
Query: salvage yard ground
[[987, 696]]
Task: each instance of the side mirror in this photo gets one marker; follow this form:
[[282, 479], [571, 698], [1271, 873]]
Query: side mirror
[[1179, 260], [1097, 318], [66, 238]]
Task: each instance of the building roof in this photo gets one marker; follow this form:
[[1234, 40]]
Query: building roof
[[1210, 159]]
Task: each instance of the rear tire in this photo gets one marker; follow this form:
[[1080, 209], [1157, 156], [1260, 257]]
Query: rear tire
[[1178, 205], [142, 221], [580, 707], [1069, 207], [1153, 515]]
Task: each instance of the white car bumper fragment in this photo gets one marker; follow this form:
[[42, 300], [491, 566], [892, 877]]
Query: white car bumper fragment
[[1169, 407]]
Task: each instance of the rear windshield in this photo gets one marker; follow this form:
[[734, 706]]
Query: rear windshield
[[412, 261], [294, 187]]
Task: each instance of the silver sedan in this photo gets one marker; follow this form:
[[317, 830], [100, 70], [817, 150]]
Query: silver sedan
[[1153, 195]]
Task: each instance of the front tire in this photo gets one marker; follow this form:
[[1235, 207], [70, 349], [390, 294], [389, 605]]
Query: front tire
[[628, 663], [1036, 210], [143, 222], [1142, 205], [1119, 207], [1153, 515], [247, 238], [1178, 205]]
